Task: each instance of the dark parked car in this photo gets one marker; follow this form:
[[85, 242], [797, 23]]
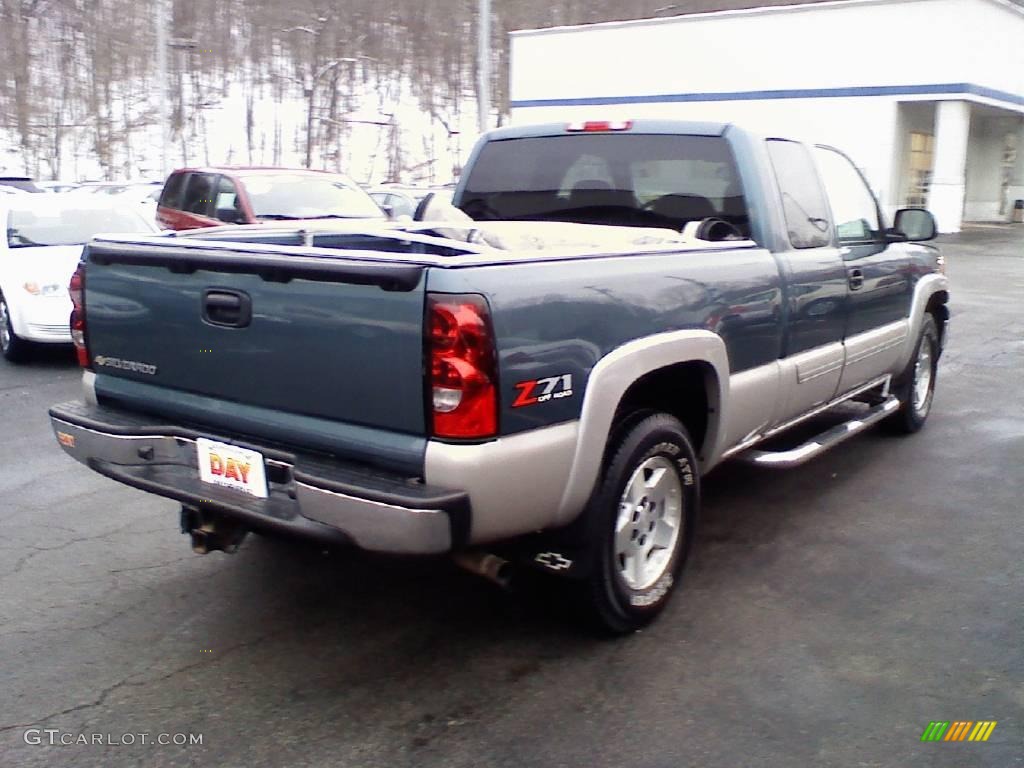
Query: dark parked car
[[24, 183], [209, 197]]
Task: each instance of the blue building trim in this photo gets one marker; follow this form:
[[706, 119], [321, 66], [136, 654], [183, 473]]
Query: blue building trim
[[788, 93]]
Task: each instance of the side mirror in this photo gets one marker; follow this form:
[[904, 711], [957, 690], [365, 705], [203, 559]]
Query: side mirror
[[389, 210], [914, 225]]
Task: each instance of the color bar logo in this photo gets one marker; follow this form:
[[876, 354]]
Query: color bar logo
[[959, 730]]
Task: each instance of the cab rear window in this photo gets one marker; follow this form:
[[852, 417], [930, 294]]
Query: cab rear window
[[623, 179]]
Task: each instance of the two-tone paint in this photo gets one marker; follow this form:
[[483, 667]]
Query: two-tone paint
[[332, 358]]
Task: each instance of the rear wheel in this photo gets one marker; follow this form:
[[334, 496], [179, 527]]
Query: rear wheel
[[643, 521], [12, 346], [915, 387]]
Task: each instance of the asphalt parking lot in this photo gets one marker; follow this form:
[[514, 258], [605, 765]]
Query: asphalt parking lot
[[829, 614]]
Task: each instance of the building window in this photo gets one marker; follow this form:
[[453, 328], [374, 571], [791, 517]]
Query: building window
[[919, 172]]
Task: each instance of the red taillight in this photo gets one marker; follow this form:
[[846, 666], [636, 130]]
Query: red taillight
[[599, 126], [462, 378], [76, 290]]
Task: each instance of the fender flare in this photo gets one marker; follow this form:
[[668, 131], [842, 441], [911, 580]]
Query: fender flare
[[613, 375], [925, 288]]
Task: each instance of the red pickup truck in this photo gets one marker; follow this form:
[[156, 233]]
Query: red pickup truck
[[213, 196]]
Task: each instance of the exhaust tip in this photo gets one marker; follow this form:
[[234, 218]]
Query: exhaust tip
[[491, 567]]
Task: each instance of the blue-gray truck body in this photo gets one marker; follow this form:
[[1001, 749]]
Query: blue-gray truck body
[[329, 378]]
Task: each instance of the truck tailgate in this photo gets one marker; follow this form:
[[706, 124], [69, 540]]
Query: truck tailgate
[[333, 338]]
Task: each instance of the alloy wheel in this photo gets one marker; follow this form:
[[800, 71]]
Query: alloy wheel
[[923, 379], [649, 522]]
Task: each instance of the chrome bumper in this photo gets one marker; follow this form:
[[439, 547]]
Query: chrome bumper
[[309, 496]]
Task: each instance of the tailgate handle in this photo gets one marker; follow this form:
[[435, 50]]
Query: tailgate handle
[[226, 308]]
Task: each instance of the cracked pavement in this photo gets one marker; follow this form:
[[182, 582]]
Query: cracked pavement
[[828, 614]]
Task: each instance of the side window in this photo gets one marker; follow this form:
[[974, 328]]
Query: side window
[[803, 202], [853, 206], [198, 197], [173, 189], [227, 207]]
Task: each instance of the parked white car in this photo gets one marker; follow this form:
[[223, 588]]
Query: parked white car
[[142, 193], [56, 187], [139, 191], [397, 201], [42, 246]]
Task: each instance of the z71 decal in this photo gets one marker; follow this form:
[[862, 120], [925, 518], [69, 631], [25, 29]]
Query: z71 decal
[[541, 390]]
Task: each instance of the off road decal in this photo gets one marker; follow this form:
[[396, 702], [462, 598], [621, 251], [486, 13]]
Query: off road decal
[[541, 390]]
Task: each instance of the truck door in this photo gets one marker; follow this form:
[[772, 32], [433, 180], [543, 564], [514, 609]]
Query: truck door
[[878, 279], [815, 282]]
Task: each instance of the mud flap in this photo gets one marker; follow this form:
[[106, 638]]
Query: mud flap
[[563, 552]]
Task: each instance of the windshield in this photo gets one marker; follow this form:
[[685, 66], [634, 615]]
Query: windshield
[[27, 227], [622, 179], [299, 196]]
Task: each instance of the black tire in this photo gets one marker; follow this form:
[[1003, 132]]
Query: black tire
[[914, 410], [14, 348], [661, 441]]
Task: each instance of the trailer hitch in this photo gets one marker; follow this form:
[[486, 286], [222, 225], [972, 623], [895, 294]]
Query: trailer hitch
[[211, 532]]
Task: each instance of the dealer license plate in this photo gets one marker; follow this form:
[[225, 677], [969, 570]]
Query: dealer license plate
[[231, 467]]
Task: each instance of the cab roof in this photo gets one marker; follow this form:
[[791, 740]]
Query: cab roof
[[641, 126]]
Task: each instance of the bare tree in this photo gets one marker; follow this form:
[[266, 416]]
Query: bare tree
[[79, 76]]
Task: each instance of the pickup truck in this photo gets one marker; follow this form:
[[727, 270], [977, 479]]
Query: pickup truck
[[538, 380]]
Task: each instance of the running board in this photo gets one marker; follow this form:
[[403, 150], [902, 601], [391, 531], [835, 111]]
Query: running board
[[820, 443]]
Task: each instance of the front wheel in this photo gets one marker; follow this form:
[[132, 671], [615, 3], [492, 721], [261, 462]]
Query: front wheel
[[12, 346], [643, 522], [915, 387]]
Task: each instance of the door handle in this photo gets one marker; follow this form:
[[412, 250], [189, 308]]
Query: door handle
[[856, 279], [227, 308]]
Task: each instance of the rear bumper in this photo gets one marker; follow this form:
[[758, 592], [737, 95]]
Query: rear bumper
[[309, 496]]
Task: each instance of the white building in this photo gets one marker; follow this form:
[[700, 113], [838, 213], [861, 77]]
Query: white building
[[927, 96]]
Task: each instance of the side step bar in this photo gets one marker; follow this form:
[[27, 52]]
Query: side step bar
[[820, 443]]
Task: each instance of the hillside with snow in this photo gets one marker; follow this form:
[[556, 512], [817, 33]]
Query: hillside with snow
[[383, 91]]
